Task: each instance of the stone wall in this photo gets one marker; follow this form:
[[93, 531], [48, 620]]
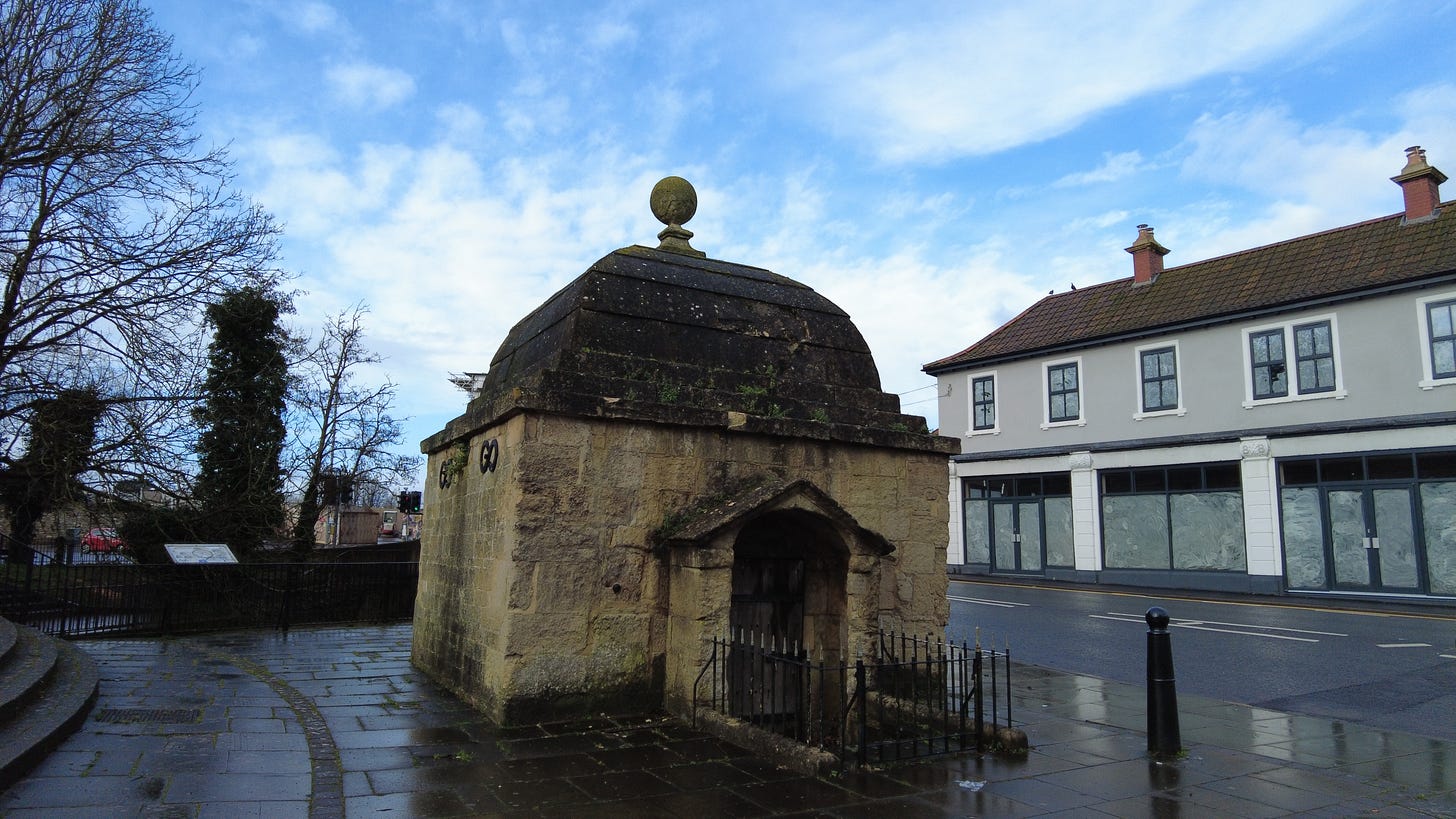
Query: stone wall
[[545, 583], [465, 570]]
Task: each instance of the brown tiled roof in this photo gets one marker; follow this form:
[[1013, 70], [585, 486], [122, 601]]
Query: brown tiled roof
[[1339, 262]]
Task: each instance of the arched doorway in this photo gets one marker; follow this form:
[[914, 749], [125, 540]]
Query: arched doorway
[[788, 600]]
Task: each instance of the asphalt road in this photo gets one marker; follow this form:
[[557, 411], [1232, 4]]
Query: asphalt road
[[1380, 668]]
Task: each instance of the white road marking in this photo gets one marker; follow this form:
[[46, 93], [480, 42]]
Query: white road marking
[[1447, 656], [1000, 603], [1180, 620], [1402, 645], [1323, 607], [1124, 619]]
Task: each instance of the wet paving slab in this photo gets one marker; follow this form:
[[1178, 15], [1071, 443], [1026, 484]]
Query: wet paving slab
[[335, 722]]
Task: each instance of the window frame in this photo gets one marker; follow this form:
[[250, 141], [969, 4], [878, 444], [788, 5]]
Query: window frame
[[1046, 393], [1299, 359], [1293, 390], [1430, 378], [1178, 408], [995, 403], [1031, 487], [1282, 363], [1164, 487]]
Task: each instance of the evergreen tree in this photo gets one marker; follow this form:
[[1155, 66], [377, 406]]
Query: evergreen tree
[[62, 430], [240, 484]]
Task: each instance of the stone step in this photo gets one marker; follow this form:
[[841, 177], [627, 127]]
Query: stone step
[[47, 688], [8, 636], [25, 671]]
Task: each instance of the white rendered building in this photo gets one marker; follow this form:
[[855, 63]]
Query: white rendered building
[[1278, 420]]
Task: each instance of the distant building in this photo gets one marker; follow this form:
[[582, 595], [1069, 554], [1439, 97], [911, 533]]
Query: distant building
[[470, 383], [1282, 419]]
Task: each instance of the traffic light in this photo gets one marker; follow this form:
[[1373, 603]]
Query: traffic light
[[404, 502], [346, 490]]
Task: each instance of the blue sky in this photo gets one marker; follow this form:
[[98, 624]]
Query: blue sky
[[933, 168]]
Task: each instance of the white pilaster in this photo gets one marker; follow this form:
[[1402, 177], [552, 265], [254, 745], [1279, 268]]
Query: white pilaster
[[955, 552], [1261, 509], [1086, 519]]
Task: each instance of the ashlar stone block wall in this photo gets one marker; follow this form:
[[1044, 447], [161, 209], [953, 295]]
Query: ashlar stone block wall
[[545, 590]]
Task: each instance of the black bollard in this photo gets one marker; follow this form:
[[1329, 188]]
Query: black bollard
[[1163, 739]]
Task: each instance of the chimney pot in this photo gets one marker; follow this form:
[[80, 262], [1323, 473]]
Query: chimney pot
[[1147, 256], [1420, 184]]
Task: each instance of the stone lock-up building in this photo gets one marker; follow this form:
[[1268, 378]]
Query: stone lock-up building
[[668, 448]]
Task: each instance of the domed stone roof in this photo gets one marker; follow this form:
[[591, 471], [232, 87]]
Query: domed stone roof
[[673, 337]]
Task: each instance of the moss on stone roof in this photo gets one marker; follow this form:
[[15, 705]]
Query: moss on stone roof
[[666, 337]]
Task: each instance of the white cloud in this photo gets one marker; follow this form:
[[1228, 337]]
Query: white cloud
[[1098, 222], [244, 47], [364, 85], [530, 116], [1308, 178], [463, 18], [610, 34], [517, 41], [1113, 168], [563, 72], [1266, 151], [912, 300], [1429, 112], [667, 107], [912, 311], [460, 123], [948, 84], [450, 252], [307, 185], [309, 16]]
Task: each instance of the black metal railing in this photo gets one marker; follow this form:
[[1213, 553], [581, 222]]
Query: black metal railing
[[129, 598], [916, 696], [773, 685]]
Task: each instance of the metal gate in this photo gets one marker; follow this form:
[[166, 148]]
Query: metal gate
[[768, 602]]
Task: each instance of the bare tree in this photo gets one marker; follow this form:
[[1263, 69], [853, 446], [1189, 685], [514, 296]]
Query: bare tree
[[116, 228], [337, 425]]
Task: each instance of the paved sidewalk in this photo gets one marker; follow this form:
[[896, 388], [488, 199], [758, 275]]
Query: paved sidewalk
[[335, 722]]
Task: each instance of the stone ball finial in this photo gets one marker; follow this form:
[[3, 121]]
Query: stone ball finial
[[674, 202]]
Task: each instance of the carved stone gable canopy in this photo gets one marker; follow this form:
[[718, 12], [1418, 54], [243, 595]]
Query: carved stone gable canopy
[[706, 521]]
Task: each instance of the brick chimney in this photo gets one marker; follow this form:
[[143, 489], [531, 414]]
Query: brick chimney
[[1421, 185], [1147, 256]]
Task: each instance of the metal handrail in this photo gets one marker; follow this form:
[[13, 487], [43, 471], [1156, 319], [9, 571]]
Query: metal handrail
[[712, 660]]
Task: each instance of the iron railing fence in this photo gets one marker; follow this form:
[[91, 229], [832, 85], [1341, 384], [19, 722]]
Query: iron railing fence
[[773, 685], [917, 696], [115, 598]]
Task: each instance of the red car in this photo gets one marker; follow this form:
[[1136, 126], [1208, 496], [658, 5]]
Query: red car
[[101, 540]]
